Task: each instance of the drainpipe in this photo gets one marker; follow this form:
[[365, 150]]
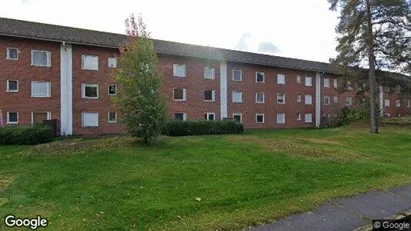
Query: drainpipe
[[318, 99]]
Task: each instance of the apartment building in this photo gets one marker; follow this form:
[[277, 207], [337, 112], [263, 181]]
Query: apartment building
[[64, 73]]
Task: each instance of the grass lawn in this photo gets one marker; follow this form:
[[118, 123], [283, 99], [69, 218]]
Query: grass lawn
[[242, 180]]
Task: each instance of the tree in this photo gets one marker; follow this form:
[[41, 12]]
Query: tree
[[141, 103], [373, 34]]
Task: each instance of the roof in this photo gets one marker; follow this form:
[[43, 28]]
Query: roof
[[41, 31]]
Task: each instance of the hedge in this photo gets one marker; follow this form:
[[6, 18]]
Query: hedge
[[26, 135], [187, 128]]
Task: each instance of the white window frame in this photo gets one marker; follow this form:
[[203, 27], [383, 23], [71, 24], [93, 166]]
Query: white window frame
[[212, 73], [212, 95], [256, 76], [32, 115], [335, 99], [311, 99], [298, 78], [113, 61], [184, 115], [306, 117], [241, 75], [256, 97], [326, 82], [237, 92], [256, 116], [299, 98], [8, 53], [7, 87], [350, 101], [48, 64], [409, 103], [8, 118], [335, 83], [83, 90], [210, 113], [83, 66], [238, 114], [298, 116], [387, 102], [184, 95], [108, 117], [308, 81], [175, 66], [108, 89], [326, 97], [281, 122], [278, 98], [41, 96], [281, 79], [82, 119], [398, 103]]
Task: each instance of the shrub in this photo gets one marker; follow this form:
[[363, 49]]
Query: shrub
[[187, 128], [26, 135]]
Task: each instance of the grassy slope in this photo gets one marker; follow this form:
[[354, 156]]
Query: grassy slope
[[241, 180]]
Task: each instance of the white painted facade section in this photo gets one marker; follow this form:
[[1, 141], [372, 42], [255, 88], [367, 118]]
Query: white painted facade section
[[66, 91], [223, 90], [318, 99], [381, 100]]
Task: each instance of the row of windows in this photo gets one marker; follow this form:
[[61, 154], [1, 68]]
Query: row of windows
[[259, 117], [43, 89], [43, 59], [397, 103], [88, 119]]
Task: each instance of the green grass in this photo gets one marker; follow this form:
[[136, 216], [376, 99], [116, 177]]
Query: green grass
[[242, 180]]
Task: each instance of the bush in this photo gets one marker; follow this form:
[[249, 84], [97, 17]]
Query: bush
[[26, 135], [187, 128]]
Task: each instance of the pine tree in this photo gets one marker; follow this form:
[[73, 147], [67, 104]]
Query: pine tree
[[141, 103], [374, 34]]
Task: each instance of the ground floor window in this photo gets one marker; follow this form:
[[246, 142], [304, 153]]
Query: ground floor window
[[180, 116], [89, 119], [238, 117], [112, 117], [209, 116], [259, 118], [38, 117], [12, 117]]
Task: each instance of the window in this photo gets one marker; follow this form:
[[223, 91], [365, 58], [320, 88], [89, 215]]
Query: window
[[12, 86], [40, 58], [89, 62], [259, 118], [89, 119], [12, 53], [335, 83], [280, 98], [209, 116], [326, 100], [40, 89], [298, 79], [335, 99], [259, 77], [398, 103], [237, 75], [209, 73], [308, 99], [237, 97], [387, 114], [348, 101], [179, 94], [179, 70], [280, 118], [259, 97], [209, 95], [408, 103], [38, 117], [308, 118], [348, 85], [280, 79], [298, 116], [89, 91], [180, 116], [112, 62], [326, 82], [308, 81], [386, 102], [238, 117], [299, 98], [12, 117], [112, 89], [112, 117], [398, 89]]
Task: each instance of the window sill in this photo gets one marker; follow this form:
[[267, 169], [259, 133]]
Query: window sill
[[40, 96], [179, 100], [39, 65], [209, 101], [89, 97], [260, 102], [10, 91]]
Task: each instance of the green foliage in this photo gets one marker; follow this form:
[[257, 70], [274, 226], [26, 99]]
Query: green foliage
[[26, 135], [141, 103], [187, 128]]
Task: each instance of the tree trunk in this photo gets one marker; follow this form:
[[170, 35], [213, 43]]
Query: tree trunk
[[371, 71]]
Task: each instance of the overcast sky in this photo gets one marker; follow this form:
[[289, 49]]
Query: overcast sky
[[291, 28]]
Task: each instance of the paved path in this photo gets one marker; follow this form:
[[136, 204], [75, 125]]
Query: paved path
[[347, 213]]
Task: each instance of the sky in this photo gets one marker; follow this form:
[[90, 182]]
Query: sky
[[302, 29]]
